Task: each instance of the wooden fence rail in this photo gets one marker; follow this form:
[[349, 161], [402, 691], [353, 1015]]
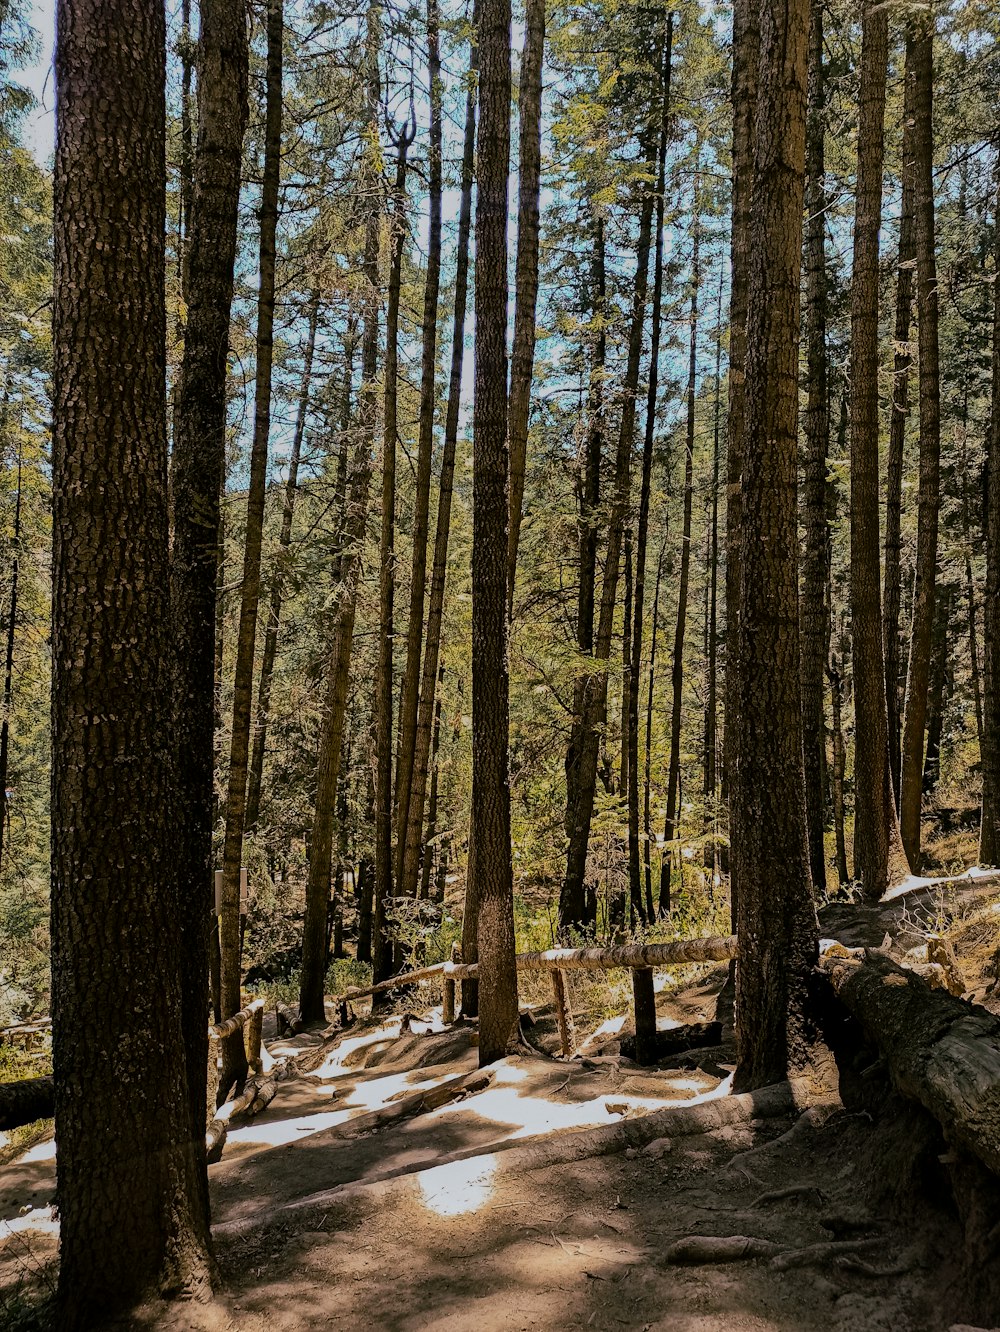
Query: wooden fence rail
[[640, 959]]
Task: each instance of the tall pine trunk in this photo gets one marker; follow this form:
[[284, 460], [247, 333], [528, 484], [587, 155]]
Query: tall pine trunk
[[8, 670], [928, 498], [492, 867], [814, 612], [639, 594], [902, 363], [672, 819], [647, 822], [989, 835], [133, 1222], [234, 1058], [198, 482], [710, 782], [529, 97], [876, 833], [776, 918], [410, 685]]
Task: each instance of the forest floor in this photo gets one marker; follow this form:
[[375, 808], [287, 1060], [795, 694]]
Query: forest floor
[[464, 1217]]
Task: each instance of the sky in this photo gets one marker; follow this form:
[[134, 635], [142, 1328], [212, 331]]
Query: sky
[[41, 126]]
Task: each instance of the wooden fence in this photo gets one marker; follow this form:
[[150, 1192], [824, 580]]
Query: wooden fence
[[640, 959]]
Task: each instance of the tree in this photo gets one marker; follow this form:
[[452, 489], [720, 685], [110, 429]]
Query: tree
[[198, 477], [490, 832], [876, 833], [233, 1057], [133, 1221], [989, 836], [776, 918], [928, 500]]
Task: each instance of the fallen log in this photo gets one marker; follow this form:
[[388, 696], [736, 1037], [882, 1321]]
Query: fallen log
[[939, 1050], [238, 1020], [25, 1101]]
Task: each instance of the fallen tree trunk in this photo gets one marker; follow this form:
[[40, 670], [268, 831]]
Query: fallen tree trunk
[[24, 1102], [939, 1050]]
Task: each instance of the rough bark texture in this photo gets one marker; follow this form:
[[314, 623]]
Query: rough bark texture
[[278, 578], [928, 498], [746, 53], [814, 610], [989, 836], [234, 1062], [8, 669], [348, 562], [776, 918], [902, 362], [435, 602], [522, 360], [875, 828], [710, 769], [410, 685], [647, 821], [198, 479], [25, 1101], [490, 832], [131, 1196]]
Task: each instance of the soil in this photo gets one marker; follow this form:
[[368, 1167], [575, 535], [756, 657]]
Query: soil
[[427, 1232]]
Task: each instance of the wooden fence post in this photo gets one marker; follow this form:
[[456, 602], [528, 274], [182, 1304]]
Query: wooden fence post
[[253, 1033], [644, 999], [567, 1035]]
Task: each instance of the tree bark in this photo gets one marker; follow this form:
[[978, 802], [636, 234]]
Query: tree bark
[[647, 822], [710, 783], [902, 363], [278, 579], [989, 833], [348, 562], [233, 1056], [410, 685], [928, 499], [492, 867], [672, 818], [776, 917], [746, 55], [814, 611], [439, 572], [198, 482], [876, 832], [529, 99], [131, 1184], [937, 689], [8, 671], [642, 527]]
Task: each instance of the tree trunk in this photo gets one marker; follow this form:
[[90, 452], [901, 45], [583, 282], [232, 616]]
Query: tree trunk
[[937, 692], [902, 362], [529, 99], [348, 560], [623, 769], [133, 1222], [492, 866], [746, 53], [575, 909], [635, 883], [589, 484], [814, 612], [710, 782], [839, 765], [776, 918], [278, 580], [647, 822], [8, 672], [989, 834], [410, 685], [672, 818], [198, 473], [876, 833], [928, 500], [430, 856], [233, 1055], [382, 945], [439, 572]]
